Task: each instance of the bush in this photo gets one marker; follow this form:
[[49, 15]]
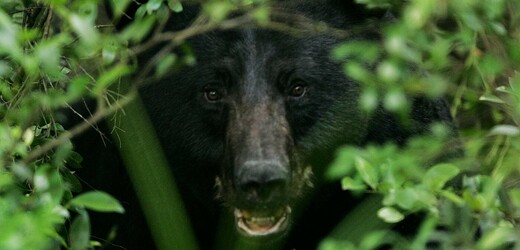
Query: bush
[[54, 53]]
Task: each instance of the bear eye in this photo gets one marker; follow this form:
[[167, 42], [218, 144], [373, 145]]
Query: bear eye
[[297, 90], [212, 95]]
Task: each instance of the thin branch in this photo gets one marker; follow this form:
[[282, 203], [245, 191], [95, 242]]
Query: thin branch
[[100, 113], [178, 37]]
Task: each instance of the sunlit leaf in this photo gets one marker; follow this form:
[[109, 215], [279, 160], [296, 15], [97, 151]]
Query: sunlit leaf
[[437, 176], [97, 201], [497, 238], [507, 130], [175, 5], [348, 183], [491, 98], [367, 171], [390, 215]]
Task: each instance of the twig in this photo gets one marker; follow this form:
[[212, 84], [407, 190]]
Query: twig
[[100, 113]]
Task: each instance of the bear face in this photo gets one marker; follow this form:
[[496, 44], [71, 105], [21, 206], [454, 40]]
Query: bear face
[[252, 111], [251, 127]]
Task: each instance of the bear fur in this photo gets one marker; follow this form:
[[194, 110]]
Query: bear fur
[[261, 112]]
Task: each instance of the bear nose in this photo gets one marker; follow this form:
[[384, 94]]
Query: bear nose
[[263, 182]]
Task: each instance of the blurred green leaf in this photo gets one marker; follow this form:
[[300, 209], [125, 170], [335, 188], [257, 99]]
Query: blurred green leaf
[[166, 64], [175, 5], [84, 27], [491, 98], [137, 31], [368, 172], [119, 7], [369, 100], [78, 87], [395, 100], [390, 215], [374, 239], [437, 176], [406, 198], [97, 201], [110, 77], [452, 197], [343, 163], [475, 201], [507, 130], [365, 51], [218, 10], [79, 234], [153, 5], [388, 72], [514, 195], [348, 183], [497, 238], [357, 71]]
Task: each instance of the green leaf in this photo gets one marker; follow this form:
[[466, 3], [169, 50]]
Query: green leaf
[[79, 235], [119, 7], [153, 5], [84, 27], [77, 87], [452, 197], [367, 172], [334, 244], [395, 100], [74, 160], [218, 10], [166, 64], [348, 183], [388, 71], [491, 98], [342, 164], [364, 51], [138, 29], [390, 215], [514, 195], [437, 176], [406, 198], [110, 77], [373, 240], [97, 201], [507, 130], [8, 33], [357, 71], [491, 65], [496, 238], [175, 5], [261, 15], [72, 182], [369, 100], [475, 201]]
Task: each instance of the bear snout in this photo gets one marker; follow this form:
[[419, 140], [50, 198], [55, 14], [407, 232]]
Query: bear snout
[[262, 183]]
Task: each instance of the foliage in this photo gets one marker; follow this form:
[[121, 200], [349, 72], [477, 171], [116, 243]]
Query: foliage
[[42, 70], [467, 51], [54, 53]]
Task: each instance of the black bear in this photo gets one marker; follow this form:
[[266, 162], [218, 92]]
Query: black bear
[[255, 122]]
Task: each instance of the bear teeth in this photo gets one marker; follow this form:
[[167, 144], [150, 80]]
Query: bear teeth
[[262, 219], [260, 225]]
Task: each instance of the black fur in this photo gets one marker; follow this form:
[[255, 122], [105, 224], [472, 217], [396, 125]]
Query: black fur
[[248, 67]]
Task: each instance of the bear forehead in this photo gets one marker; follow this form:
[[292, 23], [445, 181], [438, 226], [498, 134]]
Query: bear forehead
[[260, 45]]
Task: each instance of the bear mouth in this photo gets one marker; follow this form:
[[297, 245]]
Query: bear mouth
[[262, 223]]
